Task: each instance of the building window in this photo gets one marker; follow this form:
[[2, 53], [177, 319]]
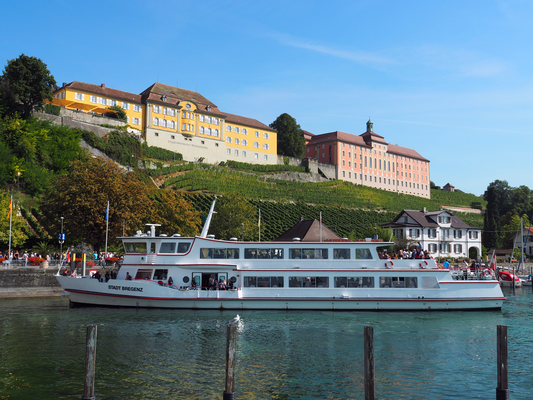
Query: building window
[[236, 152], [103, 101], [136, 121], [156, 108], [236, 129], [201, 118], [265, 135], [78, 96], [125, 106], [228, 139], [343, 174], [244, 154], [229, 151], [94, 99], [164, 123], [172, 124], [256, 145], [256, 155], [156, 121], [201, 130], [237, 141], [216, 132], [156, 134], [172, 137], [228, 128], [256, 134], [244, 142], [266, 157], [265, 146], [113, 103], [137, 108]]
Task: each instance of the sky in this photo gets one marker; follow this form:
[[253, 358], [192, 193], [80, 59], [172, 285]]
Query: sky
[[450, 79]]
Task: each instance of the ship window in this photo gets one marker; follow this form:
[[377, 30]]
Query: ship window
[[354, 282], [186, 279], [143, 274], [254, 253], [206, 253], [363, 254], [160, 274], [218, 253], [309, 281], [262, 281], [167, 248], [132, 247], [340, 254], [183, 247], [385, 282], [308, 254]]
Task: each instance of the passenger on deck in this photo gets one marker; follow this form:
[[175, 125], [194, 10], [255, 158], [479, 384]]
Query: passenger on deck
[[222, 284], [193, 283], [170, 280], [128, 276], [97, 276]]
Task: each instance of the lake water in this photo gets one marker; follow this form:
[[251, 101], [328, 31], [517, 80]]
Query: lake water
[[180, 354]]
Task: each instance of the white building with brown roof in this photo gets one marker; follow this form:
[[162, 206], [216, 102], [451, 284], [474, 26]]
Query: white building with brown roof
[[369, 160], [441, 233]]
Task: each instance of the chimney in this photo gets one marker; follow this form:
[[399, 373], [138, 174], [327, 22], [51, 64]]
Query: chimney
[[64, 84], [424, 210], [103, 85]]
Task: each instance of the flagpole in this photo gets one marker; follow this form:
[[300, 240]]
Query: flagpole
[[106, 227], [259, 224], [320, 225], [10, 223]]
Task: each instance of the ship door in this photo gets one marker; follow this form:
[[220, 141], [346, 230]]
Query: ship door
[[223, 275], [197, 278]]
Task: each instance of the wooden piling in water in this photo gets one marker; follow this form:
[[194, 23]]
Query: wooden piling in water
[[502, 391], [231, 347], [90, 363], [370, 393]]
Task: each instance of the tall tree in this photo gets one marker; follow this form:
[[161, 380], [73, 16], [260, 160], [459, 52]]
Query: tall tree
[[233, 215], [25, 84], [175, 213], [81, 198], [18, 237], [290, 137], [497, 201]]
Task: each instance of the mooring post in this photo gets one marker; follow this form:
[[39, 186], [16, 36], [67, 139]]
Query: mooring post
[[90, 361], [370, 393], [502, 391], [231, 347]]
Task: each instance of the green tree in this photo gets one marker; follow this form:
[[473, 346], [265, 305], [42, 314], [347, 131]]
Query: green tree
[[81, 198], [118, 113], [18, 237], [496, 196], [290, 138], [232, 211], [175, 213], [25, 84]]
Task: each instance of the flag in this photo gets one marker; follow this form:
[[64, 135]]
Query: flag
[[493, 261], [10, 206], [107, 211], [259, 221]]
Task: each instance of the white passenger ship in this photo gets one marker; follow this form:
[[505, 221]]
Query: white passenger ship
[[330, 275]]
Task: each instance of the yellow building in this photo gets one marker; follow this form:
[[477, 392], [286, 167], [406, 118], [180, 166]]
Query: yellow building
[[179, 120], [97, 99], [186, 122]]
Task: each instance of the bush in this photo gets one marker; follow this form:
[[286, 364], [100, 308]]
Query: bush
[[160, 153], [52, 109]]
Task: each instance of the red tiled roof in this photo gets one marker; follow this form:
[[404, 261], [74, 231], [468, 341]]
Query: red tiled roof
[[404, 151], [237, 119], [102, 91], [174, 95], [337, 135]]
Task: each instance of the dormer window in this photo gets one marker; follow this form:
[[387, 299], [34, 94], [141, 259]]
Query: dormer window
[[164, 98]]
